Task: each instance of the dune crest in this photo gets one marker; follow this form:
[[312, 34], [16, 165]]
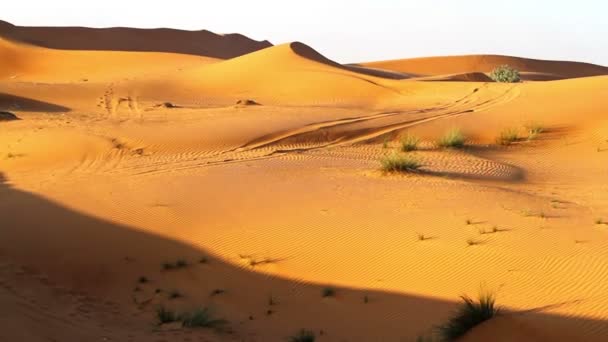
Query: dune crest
[[201, 43], [532, 69]]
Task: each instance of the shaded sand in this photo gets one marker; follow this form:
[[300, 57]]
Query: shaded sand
[[531, 69], [102, 182], [201, 43]]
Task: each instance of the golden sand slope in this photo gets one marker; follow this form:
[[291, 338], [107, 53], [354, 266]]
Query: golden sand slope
[[101, 184], [532, 69]]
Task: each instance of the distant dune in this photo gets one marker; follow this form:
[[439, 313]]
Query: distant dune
[[201, 43], [532, 69]]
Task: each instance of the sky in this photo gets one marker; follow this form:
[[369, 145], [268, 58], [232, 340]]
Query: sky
[[355, 30]]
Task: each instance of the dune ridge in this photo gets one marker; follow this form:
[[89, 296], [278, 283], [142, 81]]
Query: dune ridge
[[202, 43], [532, 69]]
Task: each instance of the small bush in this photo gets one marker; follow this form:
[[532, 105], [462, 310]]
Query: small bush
[[505, 74], [328, 292], [397, 163], [507, 137], [174, 294], [143, 280], [201, 318], [165, 316], [452, 139], [303, 336], [472, 242], [409, 143], [181, 263], [470, 314], [534, 129]]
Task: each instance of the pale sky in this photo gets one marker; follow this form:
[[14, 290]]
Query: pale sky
[[356, 30]]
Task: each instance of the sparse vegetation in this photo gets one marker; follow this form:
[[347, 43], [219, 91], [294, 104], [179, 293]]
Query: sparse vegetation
[[165, 316], [409, 143], [217, 292], [203, 260], [470, 314], [365, 299], [472, 242], [303, 336], [534, 129], [385, 143], [421, 237], [181, 263], [507, 137], [399, 163], [328, 292], [468, 222], [600, 221], [143, 280], [454, 138], [201, 318], [174, 294], [505, 74]]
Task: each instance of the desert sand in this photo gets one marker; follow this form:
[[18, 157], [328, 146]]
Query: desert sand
[[132, 154]]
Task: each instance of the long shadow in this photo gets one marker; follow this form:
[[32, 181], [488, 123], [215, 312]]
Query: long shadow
[[105, 259], [13, 102], [200, 43]]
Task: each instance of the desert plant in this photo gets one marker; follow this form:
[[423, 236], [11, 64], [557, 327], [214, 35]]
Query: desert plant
[[507, 137], [472, 242], [421, 237], [201, 318], [143, 280], [181, 263], [534, 129], [168, 266], [203, 260], [303, 336], [409, 143], [217, 292], [328, 292], [454, 138], [174, 294], [399, 163], [505, 74], [165, 316], [600, 221], [470, 314]]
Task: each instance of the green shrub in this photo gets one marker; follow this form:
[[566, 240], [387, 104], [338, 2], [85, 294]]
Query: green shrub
[[397, 163], [534, 129], [470, 314], [454, 138], [201, 318], [165, 316], [505, 74], [507, 137], [303, 336], [409, 143]]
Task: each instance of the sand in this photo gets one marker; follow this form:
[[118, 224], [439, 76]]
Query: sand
[[126, 160]]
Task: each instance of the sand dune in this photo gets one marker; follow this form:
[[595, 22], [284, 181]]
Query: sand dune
[[151, 161], [532, 69], [29, 63], [201, 43]]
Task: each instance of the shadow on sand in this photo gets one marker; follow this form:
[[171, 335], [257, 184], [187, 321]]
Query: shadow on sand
[[104, 259]]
